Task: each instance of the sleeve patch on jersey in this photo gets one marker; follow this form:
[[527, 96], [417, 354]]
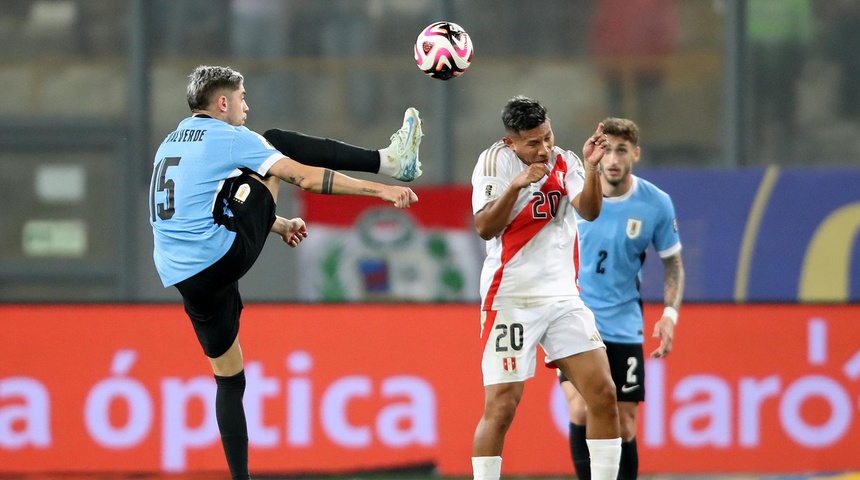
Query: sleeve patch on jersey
[[634, 228], [675, 225], [488, 191], [242, 193], [492, 190]]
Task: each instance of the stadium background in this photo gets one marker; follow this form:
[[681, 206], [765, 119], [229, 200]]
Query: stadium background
[[751, 119]]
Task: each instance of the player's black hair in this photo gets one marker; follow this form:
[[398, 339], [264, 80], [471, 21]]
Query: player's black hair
[[206, 80], [622, 127], [522, 113]]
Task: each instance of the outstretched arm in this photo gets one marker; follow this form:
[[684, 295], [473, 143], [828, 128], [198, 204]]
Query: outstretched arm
[[590, 200], [329, 182], [673, 292]]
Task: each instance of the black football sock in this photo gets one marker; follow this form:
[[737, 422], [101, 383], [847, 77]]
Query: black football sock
[[579, 451], [323, 152], [230, 413], [629, 468]]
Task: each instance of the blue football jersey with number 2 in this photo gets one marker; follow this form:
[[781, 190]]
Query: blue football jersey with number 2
[[612, 253], [189, 170]]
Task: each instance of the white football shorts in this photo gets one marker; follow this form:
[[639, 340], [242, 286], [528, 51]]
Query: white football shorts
[[511, 337]]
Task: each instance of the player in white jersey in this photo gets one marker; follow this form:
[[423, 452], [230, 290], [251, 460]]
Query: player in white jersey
[[635, 214], [525, 191], [212, 206]]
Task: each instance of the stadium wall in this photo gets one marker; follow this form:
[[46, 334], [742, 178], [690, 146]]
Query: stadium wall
[[766, 388]]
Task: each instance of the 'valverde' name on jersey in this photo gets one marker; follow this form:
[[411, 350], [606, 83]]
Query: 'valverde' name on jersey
[[190, 169], [535, 259], [613, 251]]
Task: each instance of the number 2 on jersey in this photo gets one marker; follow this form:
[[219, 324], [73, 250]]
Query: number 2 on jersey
[[603, 254], [160, 183]]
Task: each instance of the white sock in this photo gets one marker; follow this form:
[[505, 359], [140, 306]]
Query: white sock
[[387, 165], [605, 457], [487, 468]]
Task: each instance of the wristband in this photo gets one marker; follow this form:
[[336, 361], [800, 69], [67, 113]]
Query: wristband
[[672, 313]]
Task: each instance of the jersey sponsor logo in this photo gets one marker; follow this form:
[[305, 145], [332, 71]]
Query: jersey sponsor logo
[[634, 228], [242, 193]]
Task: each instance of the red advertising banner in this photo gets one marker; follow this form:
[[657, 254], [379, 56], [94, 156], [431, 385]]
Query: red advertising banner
[[126, 388]]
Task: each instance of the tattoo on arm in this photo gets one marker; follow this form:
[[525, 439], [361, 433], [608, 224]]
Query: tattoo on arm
[[328, 182], [673, 281]]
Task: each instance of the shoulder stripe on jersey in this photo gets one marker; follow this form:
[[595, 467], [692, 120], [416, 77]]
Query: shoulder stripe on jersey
[[490, 160]]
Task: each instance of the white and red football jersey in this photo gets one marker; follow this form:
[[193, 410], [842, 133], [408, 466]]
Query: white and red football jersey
[[535, 260]]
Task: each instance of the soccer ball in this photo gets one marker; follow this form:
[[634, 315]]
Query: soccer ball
[[443, 50]]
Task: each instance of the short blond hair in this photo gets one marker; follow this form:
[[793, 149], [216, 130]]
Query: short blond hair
[[206, 80]]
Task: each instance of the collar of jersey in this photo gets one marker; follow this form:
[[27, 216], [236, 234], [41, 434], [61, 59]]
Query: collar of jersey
[[627, 195]]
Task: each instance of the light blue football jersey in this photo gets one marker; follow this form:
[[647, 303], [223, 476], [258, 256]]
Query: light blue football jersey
[[190, 168], [612, 253]]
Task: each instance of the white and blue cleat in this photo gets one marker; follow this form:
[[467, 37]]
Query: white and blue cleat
[[403, 150]]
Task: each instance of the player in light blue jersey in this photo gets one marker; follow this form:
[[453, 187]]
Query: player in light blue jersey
[[635, 215], [212, 205]]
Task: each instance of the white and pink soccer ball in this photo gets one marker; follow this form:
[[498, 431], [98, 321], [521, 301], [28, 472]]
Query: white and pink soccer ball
[[443, 50]]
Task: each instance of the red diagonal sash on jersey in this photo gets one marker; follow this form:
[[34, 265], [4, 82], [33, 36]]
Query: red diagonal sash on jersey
[[525, 226]]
